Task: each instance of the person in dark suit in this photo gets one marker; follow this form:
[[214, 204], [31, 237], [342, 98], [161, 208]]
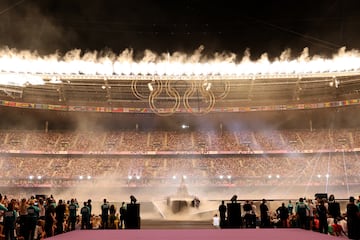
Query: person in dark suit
[[222, 211], [333, 207], [264, 215], [353, 219]]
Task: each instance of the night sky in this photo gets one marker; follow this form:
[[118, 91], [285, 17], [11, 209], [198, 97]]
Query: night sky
[[181, 25]]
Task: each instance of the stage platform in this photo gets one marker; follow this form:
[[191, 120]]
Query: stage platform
[[198, 234]]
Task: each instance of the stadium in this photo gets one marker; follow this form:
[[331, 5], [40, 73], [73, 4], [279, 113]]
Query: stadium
[[176, 130], [285, 132]]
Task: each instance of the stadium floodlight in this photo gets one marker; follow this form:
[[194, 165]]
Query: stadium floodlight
[[208, 86], [174, 177], [39, 177], [89, 177], [184, 177], [229, 177], [150, 86], [221, 176], [31, 177], [269, 176], [138, 177], [319, 176], [81, 177], [129, 177], [327, 175], [277, 176]]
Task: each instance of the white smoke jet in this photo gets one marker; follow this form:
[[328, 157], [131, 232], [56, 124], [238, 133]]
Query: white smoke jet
[[31, 65]]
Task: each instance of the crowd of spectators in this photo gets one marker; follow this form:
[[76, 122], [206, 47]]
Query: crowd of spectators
[[198, 141], [312, 169], [41, 216], [197, 155], [265, 158], [324, 214]]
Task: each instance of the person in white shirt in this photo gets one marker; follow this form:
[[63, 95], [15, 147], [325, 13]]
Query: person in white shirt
[[310, 214], [216, 221]]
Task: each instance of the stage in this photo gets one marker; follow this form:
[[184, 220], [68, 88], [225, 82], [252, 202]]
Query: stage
[[198, 234]]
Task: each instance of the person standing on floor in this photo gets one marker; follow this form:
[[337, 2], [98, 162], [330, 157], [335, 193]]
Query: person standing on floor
[[73, 206], [105, 214], [322, 215], [283, 213], [333, 207], [10, 216], [353, 219], [264, 215], [85, 216], [122, 215], [60, 217], [301, 209], [31, 220], [222, 211]]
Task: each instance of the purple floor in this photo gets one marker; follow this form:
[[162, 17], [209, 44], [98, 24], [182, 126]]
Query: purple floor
[[196, 234]]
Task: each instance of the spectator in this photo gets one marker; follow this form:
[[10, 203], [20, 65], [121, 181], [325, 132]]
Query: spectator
[[105, 215], [353, 219]]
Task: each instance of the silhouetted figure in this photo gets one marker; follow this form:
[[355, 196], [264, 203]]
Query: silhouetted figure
[[248, 214], [72, 214], [264, 215], [60, 217], [333, 207], [9, 221], [222, 211], [31, 220], [353, 219], [122, 215], [283, 213], [233, 199], [132, 199], [322, 215], [301, 209], [85, 216], [105, 215]]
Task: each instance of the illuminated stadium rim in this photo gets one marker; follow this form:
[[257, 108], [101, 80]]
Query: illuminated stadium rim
[[47, 76], [197, 83], [194, 76]]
